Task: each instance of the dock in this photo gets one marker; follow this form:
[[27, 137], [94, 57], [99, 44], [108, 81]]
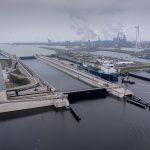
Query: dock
[[31, 102]]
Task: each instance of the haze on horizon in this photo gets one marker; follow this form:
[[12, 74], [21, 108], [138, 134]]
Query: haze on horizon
[[59, 20]]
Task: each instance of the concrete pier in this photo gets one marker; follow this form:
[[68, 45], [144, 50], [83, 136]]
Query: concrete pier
[[92, 80], [24, 104]]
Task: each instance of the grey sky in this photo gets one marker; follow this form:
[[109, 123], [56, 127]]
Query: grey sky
[[35, 20]]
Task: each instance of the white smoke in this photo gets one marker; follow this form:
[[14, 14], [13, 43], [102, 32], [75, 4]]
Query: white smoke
[[82, 29]]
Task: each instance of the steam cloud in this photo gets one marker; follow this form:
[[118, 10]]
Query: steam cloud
[[82, 29]]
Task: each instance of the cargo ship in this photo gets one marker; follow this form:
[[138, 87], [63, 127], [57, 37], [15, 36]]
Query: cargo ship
[[106, 71]]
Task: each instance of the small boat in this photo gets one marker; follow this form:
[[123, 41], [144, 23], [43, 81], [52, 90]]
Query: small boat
[[126, 80]]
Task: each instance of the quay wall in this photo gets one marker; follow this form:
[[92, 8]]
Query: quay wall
[[24, 105]]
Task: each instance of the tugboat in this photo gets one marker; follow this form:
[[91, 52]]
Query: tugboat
[[126, 80]]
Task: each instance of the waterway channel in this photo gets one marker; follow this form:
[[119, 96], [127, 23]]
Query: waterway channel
[[61, 81]]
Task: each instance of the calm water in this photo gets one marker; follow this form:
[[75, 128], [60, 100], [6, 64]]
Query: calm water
[[25, 50], [120, 56], [143, 74], [107, 124], [132, 49], [58, 79]]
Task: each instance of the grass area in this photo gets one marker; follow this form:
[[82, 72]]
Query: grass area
[[6, 63], [11, 85]]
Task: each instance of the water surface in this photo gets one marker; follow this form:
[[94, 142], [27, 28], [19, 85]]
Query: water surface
[[61, 81], [120, 56], [107, 124], [25, 50]]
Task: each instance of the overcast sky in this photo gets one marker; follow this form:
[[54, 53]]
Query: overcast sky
[[37, 20]]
